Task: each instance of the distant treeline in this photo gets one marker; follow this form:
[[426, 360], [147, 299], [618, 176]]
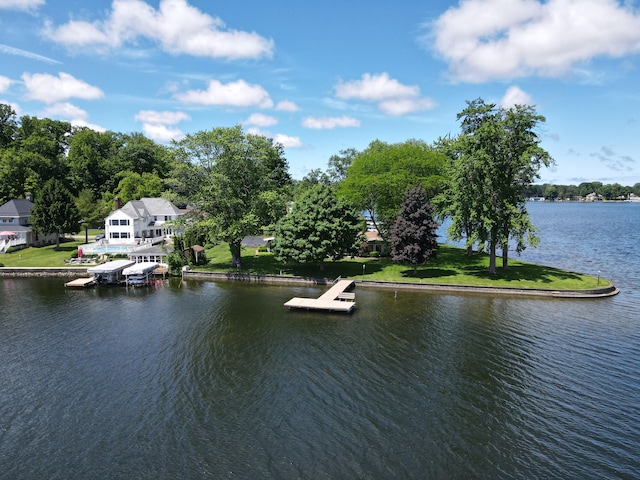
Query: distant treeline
[[609, 191]]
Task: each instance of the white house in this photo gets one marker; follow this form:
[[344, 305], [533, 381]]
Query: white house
[[15, 229], [140, 220]]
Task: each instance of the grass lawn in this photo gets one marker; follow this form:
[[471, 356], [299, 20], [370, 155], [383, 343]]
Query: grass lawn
[[41, 256], [451, 266]]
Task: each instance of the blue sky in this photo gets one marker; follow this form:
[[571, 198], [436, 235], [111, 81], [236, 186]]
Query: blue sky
[[320, 77]]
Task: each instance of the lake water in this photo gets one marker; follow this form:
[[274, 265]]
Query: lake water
[[218, 380]]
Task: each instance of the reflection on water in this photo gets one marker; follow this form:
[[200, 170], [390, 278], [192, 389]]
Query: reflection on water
[[205, 380]]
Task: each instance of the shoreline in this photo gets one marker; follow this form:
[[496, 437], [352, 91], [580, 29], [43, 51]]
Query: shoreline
[[604, 292]]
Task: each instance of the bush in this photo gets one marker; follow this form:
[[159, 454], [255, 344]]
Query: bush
[[263, 249], [374, 254]]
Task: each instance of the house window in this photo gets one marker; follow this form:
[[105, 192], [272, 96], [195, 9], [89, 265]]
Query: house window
[[114, 222], [124, 222], [158, 233], [124, 234], [166, 218], [114, 234]]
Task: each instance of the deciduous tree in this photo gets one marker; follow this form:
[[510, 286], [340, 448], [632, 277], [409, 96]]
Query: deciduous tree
[[233, 172], [320, 226], [413, 234], [499, 156], [54, 211]]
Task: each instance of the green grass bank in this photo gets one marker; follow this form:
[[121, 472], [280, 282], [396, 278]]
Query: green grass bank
[[451, 267]]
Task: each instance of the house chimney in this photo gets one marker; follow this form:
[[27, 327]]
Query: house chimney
[[118, 204], [29, 196]]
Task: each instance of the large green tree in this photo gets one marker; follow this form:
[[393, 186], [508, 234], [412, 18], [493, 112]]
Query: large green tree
[[238, 181], [8, 125], [54, 211], [378, 177], [499, 156], [319, 226], [413, 234]]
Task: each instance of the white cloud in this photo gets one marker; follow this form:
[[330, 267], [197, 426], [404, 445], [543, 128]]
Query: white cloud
[[287, 106], [233, 94], [260, 120], [392, 97], [5, 83], [20, 4], [178, 27], [161, 133], [65, 110], [51, 89], [287, 141], [162, 118], [157, 125], [73, 114], [484, 40], [328, 123], [516, 96]]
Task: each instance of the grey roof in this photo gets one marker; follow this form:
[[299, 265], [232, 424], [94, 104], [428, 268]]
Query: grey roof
[[16, 208], [152, 207]]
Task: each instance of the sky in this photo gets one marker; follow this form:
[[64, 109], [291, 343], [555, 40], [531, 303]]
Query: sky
[[321, 77]]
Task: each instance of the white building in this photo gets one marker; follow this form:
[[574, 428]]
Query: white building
[[15, 228], [138, 221]]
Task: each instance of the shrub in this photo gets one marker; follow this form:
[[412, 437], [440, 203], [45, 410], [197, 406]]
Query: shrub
[[374, 254]]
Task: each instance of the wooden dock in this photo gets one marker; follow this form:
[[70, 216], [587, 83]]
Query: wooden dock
[[80, 282], [337, 299]]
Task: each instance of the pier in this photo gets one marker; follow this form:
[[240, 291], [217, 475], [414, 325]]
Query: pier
[[338, 298]]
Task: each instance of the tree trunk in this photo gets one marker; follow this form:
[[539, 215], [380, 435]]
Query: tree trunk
[[492, 254], [86, 234], [415, 269], [57, 241], [505, 255], [322, 265], [234, 248]]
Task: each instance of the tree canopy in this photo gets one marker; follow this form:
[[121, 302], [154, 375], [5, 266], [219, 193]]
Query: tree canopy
[[498, 156], [413, 234], [319, 226], [377, 177], [242, 182], [54, 211]]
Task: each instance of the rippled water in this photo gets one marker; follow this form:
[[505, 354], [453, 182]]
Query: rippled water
[[218, 380]]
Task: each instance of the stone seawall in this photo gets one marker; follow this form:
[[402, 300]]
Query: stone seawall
[[285, 280], [444, 288], [42, 272]]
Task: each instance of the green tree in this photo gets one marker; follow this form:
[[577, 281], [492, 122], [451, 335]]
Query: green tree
[[319, 226], [551, 192], [91, 211], [8, 125], [91, 160], [338, 165], [499, 157], [413, 234], [54, 211], [232, 173], [134, 186], [378, 177]]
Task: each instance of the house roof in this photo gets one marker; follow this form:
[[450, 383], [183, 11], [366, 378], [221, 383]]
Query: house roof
[[16, 208], [149, 207]]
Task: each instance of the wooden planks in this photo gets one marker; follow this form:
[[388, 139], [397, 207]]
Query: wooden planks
[[336, 299], [80, 283]]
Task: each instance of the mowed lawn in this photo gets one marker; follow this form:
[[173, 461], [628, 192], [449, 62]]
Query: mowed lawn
[[451, 266]]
